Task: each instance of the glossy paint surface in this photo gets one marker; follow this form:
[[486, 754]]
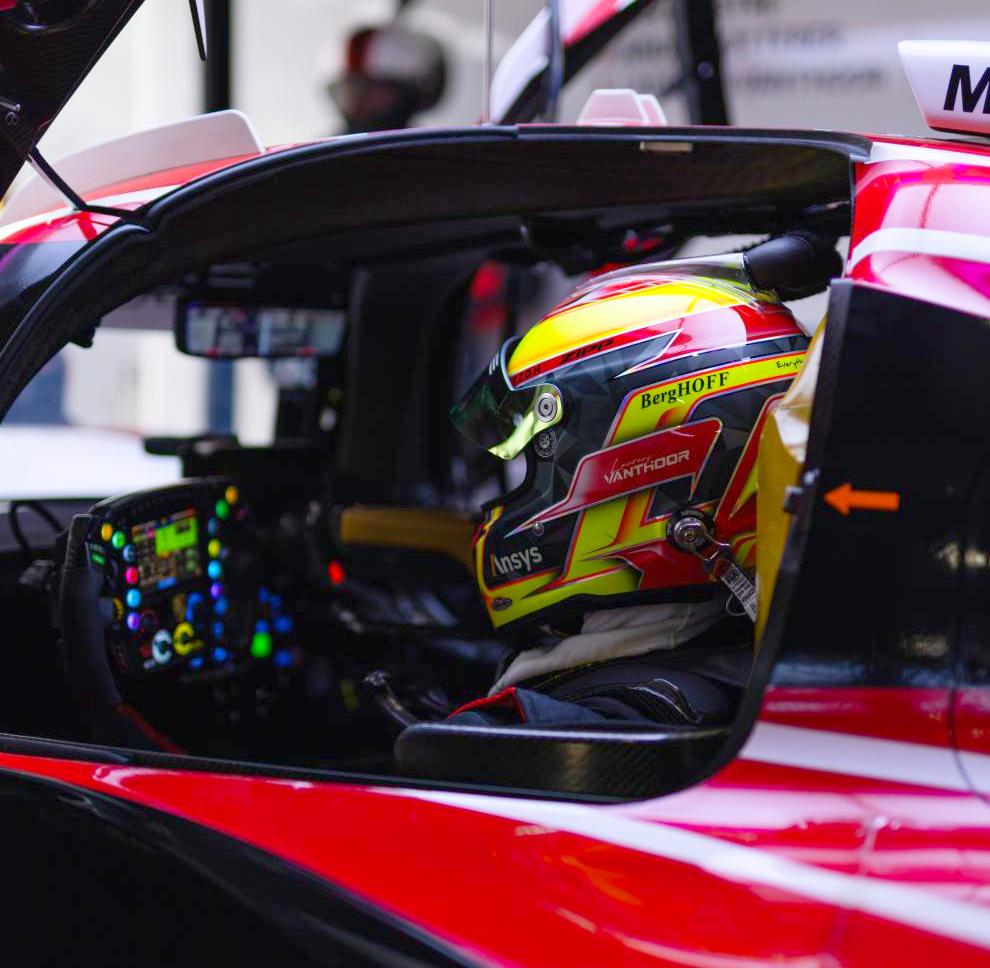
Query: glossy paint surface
[[921, 223], [765, 861]]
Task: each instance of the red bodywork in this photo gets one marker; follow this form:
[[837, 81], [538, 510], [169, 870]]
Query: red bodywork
[[851, 829]]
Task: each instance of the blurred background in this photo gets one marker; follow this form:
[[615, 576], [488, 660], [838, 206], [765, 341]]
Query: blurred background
[[785, 63]]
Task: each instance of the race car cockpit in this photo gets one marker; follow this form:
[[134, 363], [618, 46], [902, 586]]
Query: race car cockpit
[[303, 604]]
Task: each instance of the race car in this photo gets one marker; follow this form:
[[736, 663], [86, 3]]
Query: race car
[[224, 698]]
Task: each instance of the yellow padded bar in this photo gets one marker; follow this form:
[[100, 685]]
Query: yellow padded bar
[[424, 529], [783, 448]]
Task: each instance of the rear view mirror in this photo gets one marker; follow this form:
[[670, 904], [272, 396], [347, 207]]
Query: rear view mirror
[[225, 330]]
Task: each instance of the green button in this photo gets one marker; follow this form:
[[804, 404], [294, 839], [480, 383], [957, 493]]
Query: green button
[[119, 539], [261, 645], [222, 509]]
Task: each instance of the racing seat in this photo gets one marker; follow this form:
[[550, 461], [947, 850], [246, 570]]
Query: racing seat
[[611, 759]]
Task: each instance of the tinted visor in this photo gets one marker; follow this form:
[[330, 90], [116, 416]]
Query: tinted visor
[[501, 419]]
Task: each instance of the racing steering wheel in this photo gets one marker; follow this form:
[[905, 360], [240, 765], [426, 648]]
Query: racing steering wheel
[[160, 583]]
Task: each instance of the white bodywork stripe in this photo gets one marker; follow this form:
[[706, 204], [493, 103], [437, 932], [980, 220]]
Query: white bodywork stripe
[[851, 755], [910, 906], [885, 151], [937, 242]]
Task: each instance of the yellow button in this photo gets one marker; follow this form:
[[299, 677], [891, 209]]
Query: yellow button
[[106, 532], [232, 494], [183, 638], [213, 548]]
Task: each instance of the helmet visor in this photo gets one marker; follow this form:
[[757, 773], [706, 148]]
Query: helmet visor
[[500, 418]]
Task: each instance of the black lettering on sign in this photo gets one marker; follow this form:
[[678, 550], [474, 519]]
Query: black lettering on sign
[[961, 83]]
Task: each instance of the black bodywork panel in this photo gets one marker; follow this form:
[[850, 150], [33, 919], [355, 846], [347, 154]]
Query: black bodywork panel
[[878, 598], [48, 48], [99, 881]]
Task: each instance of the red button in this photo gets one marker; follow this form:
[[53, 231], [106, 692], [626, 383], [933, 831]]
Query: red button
[[131, 575]]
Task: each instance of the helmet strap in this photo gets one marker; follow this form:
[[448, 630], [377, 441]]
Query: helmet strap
[[690, 533]]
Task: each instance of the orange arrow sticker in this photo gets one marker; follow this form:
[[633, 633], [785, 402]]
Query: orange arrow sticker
[[844, 499]]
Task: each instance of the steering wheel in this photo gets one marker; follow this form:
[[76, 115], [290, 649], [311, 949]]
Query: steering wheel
[[157, 584]]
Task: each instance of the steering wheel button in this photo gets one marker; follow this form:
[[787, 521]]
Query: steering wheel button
[[232, 495], [184, 639], [129, 553], [220, 606], [216, 591], [214, 569], [261, 645], [133, 598], [220, 654], [196, 662], [218, 630], [194, 606], [134, 621], [118, 540], [106, 531], [213, 526], [131, 575], [222, 509], [161, 646], [149, 621], [214, 548]]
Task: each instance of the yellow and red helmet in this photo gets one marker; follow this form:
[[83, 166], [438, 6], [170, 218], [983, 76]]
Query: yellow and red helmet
[[641, 396]]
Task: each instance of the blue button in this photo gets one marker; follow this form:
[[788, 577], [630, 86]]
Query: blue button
[[276, 601], [196, 662], [133, 597], [214, 569], [194, 601], [284, 658], [220, 654], [261, 626], [220, 606], [218, 630], [262, 594], [283, 624], [129, 553], [213, 526]]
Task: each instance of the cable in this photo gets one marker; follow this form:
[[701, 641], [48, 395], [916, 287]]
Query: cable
[[15, 525]]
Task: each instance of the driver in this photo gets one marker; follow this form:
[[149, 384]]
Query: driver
[[618, 570]]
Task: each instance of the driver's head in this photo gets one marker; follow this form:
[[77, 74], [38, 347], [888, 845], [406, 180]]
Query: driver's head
[[639, 397]]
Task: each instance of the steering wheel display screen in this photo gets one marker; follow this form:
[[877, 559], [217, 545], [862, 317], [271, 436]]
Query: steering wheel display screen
[[166, 551]]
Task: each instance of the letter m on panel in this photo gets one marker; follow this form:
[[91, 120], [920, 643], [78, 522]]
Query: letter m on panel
[[961, 84]]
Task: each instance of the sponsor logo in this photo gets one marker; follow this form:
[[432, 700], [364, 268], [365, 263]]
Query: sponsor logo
[[673, 393], [590, 350], [631, 469], [525, 560], [649, 461], [571, 356], [961, 88], [791, 364], [501, 604]]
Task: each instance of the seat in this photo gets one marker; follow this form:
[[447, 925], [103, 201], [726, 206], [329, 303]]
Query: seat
[[615, 759]]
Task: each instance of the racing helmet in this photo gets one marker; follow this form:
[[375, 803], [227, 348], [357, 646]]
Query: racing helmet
[[637, 400]]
